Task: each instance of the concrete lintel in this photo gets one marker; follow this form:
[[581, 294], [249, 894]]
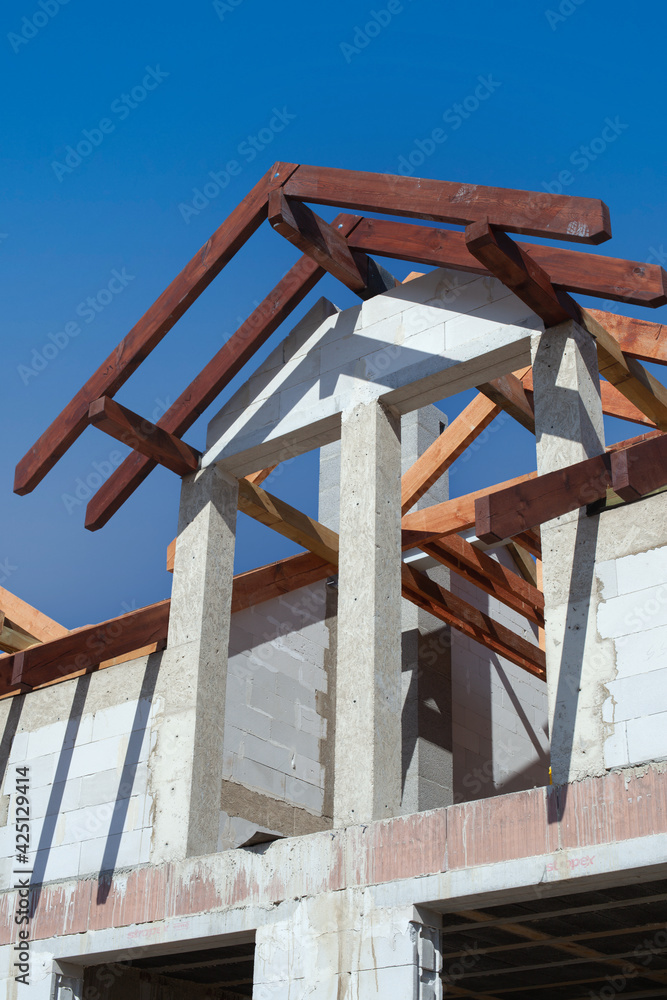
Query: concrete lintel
[[407, 348]]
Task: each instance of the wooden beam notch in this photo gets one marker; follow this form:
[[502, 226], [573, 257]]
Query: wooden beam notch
[[128, 427]]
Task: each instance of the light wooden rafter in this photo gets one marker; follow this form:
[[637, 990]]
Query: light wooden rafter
[[417, 587]]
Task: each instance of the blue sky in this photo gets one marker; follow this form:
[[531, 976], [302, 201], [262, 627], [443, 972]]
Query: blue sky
[[168, 93]]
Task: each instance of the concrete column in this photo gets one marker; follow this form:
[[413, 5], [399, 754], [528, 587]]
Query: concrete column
[[569, 429], [367, 783], [427, 767], [344, 945], [427, 763], [186, 762]]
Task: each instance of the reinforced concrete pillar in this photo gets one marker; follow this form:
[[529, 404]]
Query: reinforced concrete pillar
[[186, 762], [367, 754], [569, 429], [427, 654]]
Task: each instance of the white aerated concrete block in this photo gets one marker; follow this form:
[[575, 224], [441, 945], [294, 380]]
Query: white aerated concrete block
[[647, 738]]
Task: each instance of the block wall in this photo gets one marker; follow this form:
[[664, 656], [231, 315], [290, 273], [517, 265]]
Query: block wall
[[278, 727], [499, 710], [86, 743], [632, 615]]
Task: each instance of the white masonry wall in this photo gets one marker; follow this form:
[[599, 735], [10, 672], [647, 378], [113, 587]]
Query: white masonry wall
[[632, 613], [86, 743], [499, 710], [275, 686]]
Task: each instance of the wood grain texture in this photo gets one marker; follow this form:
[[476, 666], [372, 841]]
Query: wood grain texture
[[328, 246], [511, 511], [34, 622], [580, 220], [489, 575], [149, 331], [134, 431], [509, 393], [518, 271], [471, 622], [288, 521], [627, 374], [450, 517], [282, 577], [438, 457], [638, 338], [523, 276], [570, 270], [85, 648], [638, 470], [203, 390]]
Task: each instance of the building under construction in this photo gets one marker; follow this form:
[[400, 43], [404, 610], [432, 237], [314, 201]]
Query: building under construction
[[424, 757]]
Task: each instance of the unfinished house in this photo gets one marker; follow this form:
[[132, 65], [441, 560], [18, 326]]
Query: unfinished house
[[425, 756]]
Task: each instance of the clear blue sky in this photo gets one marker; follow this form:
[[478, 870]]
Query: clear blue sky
[[221, 74]]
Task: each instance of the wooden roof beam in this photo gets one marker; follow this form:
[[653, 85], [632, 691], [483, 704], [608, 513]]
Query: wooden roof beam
[[151, 328], [579, 220], [490, 576], [638, 338], [570, 270], [29, 619], [520, 273], [449, 517], [614, 403], [462, 616], [84, 649], [288, 521], [218, 373], [157, 444], [328, 247], [322, 541], [446, 448], [632, 472]]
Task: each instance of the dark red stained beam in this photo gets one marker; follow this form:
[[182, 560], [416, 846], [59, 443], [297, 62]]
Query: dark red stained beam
[[519, 272], [581, 220], [421, 590], [201, 392], [151, 440], [327, 245], [572, 270], [639, 470], [490, 576], [151, 328], [509, 512], [86, 648]]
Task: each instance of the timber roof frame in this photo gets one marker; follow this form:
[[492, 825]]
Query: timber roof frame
[[541, 276]]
